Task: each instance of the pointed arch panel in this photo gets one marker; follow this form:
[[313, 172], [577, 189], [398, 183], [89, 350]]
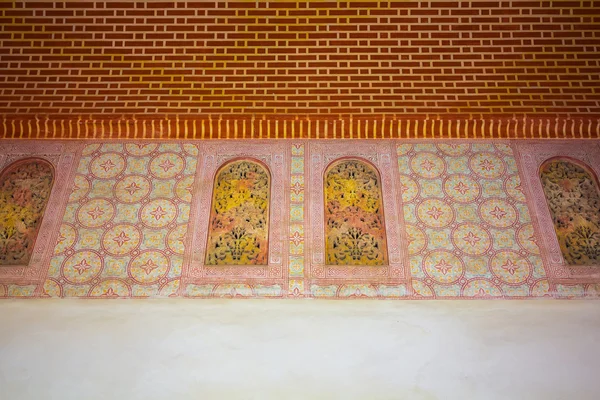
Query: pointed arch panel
[[354, 225], [239, 221], [25, 189], [573, 196]]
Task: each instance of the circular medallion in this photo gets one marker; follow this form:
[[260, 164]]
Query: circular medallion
[[82, 266], [443, 267], [81, 187], [176, 239], [462, 188], [184, 188], [510, 267], [408, 188], [132, 189], [67, 236], [95, 213], [417, 240], [487, 165], [512, 185], [110, 288], [435, 213], [427, 165], [158, 213], [149, 267], [107, 165], [166, 165], [481, 288], [526, 238], [121, 239], [141, 149], [498, 213], [454, 149], [471, 239]]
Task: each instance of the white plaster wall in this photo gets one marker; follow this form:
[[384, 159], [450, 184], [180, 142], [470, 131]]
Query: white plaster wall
[[255, 349]]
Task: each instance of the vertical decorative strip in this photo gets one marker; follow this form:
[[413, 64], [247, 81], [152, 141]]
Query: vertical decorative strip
[[296, 238]]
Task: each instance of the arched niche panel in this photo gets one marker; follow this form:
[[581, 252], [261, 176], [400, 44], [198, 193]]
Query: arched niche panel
[[573, 197], [354, 223], [239, 220], [25, 188]]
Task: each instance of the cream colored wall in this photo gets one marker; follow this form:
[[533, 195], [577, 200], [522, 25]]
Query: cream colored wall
[[257, 349]]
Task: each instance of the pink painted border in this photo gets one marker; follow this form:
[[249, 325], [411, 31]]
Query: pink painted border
[[530, 156], [64, 157], [382, 155], [212, 155]]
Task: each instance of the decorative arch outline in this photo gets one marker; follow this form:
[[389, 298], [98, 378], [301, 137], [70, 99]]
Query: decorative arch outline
[[25, 187], [238, 231], [354, 223], [572, 194]]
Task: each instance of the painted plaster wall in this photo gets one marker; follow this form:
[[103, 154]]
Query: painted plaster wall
[[259, 349], [462, 219]]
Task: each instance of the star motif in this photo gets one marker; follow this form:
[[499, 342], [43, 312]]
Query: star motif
[[96, 213], [107, 165], [510, 266], [158, 213], [486, 165], [297, 188], [532, 239], [166, 165], [82, 266], [149, 266], [519, 188], [443, 266], [428, 165], [498, 212], [461, 188], [109, 293], [121, 238], [132, 188], [403, 188], [296, 238], [471, 238], [435, 212]]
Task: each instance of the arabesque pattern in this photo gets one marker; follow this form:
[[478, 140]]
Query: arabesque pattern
[[573, 197], [24, 192], [125, 225], [131, 219], [239, 221], [354, 227], [468, 223]]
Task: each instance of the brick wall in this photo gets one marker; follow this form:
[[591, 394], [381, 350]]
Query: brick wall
[[318, 69]]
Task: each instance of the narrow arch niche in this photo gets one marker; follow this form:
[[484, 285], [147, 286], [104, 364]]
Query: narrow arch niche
[[239, 221], [573, 197], [25, 188], [354, 224]]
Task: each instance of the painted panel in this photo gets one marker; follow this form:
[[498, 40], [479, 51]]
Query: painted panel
[[354, 227], [239, 220], [24, 192], [573, 198]]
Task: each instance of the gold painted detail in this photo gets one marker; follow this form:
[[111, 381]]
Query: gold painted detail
[[355, 233], [239, 222], [24, 192], [573, 196]]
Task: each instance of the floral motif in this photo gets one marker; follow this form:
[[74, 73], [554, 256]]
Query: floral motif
[[239, 221], [24, 192], [573, 197], [354, 227]]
